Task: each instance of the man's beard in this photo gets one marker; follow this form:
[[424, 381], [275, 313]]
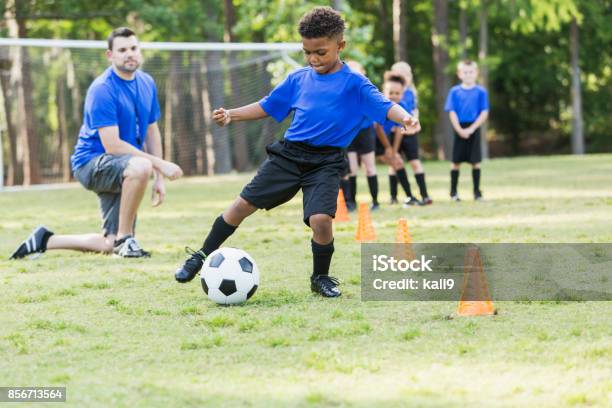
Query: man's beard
[[128, 69]]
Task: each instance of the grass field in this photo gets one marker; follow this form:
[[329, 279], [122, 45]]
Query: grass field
[[123, 333]]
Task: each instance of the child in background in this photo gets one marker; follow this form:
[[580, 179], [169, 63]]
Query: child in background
[[468, 107], [409, 144]]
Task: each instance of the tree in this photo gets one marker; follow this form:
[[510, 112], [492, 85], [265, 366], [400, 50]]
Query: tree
[[240, 147], [577, 125], [484, 69], [439, 40], [399, 30]]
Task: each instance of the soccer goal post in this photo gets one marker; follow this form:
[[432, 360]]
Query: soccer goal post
[[44, 83]]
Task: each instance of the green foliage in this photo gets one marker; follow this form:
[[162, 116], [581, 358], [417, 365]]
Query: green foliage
[[528, 58]]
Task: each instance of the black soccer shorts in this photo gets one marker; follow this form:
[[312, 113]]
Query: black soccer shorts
[[292, 166]]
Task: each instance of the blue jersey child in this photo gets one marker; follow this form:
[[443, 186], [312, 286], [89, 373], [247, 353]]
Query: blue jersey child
[[468, 107], [328, 102]]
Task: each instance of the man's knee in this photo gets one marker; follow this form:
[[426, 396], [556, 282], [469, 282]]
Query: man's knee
[[139, 167]]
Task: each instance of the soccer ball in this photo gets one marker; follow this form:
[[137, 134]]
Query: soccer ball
[[229, 276]]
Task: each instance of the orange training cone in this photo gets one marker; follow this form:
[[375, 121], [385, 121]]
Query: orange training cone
[[341, 210], [403, 241], [475, 297], [365, 228]]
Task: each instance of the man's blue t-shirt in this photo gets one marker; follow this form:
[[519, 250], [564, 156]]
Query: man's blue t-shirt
[[467, 103], [328, 109], [409, 101], [112, 101]]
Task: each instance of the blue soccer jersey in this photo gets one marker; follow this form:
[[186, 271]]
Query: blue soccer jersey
[[113, 101], [328, 109], [409, 101], [467, 103]]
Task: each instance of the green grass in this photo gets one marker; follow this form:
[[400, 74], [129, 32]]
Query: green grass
[[123, 333]]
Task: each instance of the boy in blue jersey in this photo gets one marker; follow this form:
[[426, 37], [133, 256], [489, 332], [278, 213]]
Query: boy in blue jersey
[[362, 149], [328, 102], [118, 149], [393, 88], [468, 107], [409, 144]]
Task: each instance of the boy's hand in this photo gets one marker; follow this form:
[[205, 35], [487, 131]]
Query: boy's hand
[[222, 116], [411, 125], [465, 133]]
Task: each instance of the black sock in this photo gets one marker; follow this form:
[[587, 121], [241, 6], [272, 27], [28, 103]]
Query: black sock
[[346, 190], [220, 231], [454, 181], [393, 186], [476, 179], [45, 240], [373, 184], [420, 179], [403, 180], [321, 257], [353, 184]]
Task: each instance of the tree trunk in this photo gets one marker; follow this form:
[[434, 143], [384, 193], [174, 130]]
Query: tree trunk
[[195, 93], [463, 31], [484, 69], [75, 107], [399, 30], [238, 130], [62, 121], [13, 175], [22, 81], [31, 163], [207, 143], [439, 39], [577, 124], [171, 100]]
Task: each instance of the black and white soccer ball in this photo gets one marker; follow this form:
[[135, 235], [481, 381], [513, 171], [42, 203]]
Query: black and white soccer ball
[[229, 276]]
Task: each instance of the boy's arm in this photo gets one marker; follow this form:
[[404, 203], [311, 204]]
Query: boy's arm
[[397, 139], [389, 156], [399, 115], [455, 122], [482, 118], [249, 112]]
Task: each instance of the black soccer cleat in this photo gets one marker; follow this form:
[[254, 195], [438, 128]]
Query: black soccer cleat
[[35, 243], [374, 206], [411, 201], [426, 201], [455, 198], [324, 285], [393, 201], [478, 195], [191, 267]]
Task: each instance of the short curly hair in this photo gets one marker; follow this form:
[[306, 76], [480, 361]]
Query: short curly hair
[[321, 22], [391, 76]]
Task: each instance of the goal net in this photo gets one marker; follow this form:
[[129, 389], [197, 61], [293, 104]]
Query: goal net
[[44, 83]]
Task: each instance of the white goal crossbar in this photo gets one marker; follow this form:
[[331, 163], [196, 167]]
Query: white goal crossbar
[[179, 46]]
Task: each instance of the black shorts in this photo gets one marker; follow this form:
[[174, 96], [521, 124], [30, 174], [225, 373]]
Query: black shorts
[[467, 150], [292, 166], [364, 142], [409, 146]]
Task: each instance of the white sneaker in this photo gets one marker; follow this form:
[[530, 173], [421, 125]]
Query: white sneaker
[[128, 247]]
